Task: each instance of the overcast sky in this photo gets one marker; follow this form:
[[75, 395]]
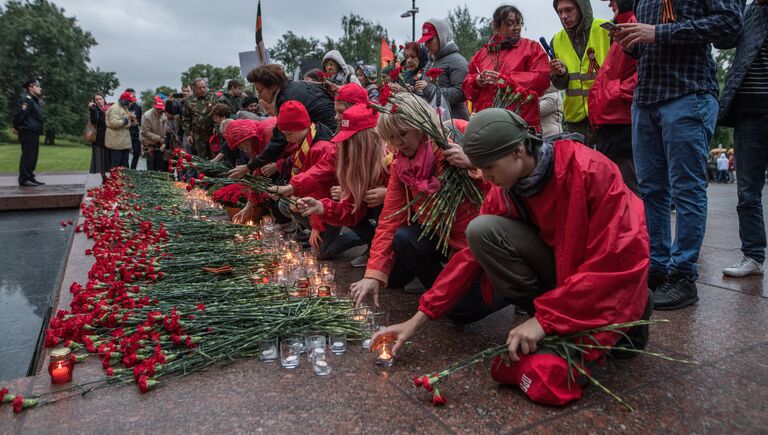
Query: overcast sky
[[150, 42]]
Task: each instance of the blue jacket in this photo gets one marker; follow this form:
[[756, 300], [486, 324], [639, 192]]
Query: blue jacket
[[750, 42]]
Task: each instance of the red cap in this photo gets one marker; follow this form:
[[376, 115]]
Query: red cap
[[352, 93], [428, 31], [292, 116], [127, 96], [159, 103], [357, 118]]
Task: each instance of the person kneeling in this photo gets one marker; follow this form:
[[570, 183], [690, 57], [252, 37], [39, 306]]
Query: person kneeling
[[559, 235]]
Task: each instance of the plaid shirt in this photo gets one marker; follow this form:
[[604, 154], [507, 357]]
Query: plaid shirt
[[680, 62]]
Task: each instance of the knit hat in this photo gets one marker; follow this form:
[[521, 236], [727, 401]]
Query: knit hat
[[293, 116], [240, 130], [127, 96], [247, 101], [357, 118], [352, 93], [494, 133]]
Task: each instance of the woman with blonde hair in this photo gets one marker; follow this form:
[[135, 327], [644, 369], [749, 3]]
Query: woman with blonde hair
[[362, 169], [398, 252]]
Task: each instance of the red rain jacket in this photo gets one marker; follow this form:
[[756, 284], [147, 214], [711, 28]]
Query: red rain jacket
[[596, 228], [381, 258], [318, 174], [610, 100], [527, 64]]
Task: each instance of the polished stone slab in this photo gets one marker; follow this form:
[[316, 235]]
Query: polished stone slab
[[60, 191]]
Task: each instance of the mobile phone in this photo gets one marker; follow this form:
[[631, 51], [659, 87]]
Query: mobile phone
[[609, 26]]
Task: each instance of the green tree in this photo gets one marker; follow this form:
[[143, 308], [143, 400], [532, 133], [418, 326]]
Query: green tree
[[291, 49], [147, 98], [216, 76], [724, 60], [470, 33], [361, 40], [37, 39]]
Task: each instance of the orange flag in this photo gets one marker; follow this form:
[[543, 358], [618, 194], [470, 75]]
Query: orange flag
[[386, 53]]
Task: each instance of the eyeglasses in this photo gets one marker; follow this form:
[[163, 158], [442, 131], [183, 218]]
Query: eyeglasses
[[514, 24]]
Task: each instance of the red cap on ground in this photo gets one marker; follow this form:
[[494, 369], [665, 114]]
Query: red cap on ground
[[428, 31], [356, 118], [352, 93], [293, 116]]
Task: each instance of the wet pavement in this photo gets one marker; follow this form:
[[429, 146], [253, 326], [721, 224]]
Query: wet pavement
[[726, 393], [33, 250]]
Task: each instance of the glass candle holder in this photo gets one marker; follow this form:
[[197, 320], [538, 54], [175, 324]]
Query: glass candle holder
[[338, 343], [383, 351], [290, 351], [268, 349], [60, 366], [314, 340], [321, 364]]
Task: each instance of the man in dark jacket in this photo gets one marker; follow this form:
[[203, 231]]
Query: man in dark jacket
[[28, 121], [444, 54], [275, 89], [744, 106], [135, 130], [673, 120]]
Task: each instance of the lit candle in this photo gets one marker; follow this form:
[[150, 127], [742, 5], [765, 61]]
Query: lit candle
[[384, 353], [60, 366]]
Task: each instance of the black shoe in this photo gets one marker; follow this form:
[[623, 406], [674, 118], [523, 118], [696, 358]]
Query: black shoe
[[678, 292], [656, 279], [28, 183], [636, 337], [39, 183]]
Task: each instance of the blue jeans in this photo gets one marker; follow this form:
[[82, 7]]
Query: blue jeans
[[670, 141], [751, 142], [119, 158]]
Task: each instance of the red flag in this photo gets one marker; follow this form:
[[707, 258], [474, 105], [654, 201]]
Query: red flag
[[387, 56]]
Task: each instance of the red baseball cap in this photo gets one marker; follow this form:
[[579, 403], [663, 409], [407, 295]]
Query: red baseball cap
[[159, 103], [127, 96], [428, 31], [293, 116], [357, 118], [352, 93]]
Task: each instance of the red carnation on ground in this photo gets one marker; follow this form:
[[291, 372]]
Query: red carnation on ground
[[434, 73], [18, 404], [438, 399]]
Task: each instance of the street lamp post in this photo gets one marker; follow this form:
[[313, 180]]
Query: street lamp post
[[411, 13]]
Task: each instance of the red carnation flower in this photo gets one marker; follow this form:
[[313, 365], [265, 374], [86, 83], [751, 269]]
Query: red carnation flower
[[434, 73], [18, 404], [395, 74], [384, 94], [143, 384], [3, 392], [63, 223], [417, 381], [188, 157], [438, 399]]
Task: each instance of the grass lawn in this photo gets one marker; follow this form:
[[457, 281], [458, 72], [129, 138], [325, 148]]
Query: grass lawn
[[65, 156]]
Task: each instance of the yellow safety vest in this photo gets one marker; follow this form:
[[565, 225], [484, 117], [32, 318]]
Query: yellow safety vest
[[580, 79]]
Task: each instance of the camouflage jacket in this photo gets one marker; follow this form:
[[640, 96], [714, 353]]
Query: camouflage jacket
[[235, 103], [196, 118]]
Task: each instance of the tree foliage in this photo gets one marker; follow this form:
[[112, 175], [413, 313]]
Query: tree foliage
[[38, 40], [147, 97], [216, 76], [291, 49], [470, 33], [724, 60]]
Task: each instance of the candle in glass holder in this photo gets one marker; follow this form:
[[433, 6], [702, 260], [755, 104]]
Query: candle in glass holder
[[323, 291], [303, 286], [326, 271], [384, 355], [60, 366], [281, 277]]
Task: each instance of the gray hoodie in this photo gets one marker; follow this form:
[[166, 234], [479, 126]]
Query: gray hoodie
[[346, 73], [455, 68]]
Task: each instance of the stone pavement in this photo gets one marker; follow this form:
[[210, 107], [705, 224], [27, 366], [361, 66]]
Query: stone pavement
[[726, 393]]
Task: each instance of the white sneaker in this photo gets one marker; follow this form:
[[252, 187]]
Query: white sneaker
[[745, 267]]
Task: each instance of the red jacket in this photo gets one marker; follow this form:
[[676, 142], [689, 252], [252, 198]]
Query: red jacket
[[527, 64], [596, 228], [610, 100], [318, 174], [381, 258]]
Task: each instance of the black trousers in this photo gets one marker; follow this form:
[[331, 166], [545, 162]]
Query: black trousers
[[136, 145], [30, 149]]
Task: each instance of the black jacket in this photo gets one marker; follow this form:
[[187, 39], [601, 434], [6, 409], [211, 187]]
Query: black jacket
[[319, 105], [99, 119], [29, 114], [135, 132]]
